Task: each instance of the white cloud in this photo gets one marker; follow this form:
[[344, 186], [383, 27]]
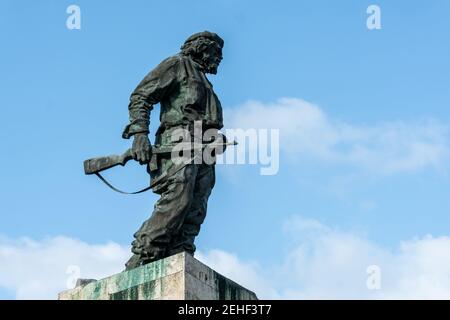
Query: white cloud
[[326, 263], [247, 274], [322, 263], [38, 269], [306, 131]]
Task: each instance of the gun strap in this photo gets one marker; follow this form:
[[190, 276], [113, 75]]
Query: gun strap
[[152, 184], [157, 180], [120, 191]]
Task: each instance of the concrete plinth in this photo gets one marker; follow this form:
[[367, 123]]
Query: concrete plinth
[[179, 277]]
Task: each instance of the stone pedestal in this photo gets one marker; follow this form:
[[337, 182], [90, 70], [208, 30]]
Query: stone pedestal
[[179, 277]]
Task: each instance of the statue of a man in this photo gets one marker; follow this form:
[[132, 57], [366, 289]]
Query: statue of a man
[[186, 96]]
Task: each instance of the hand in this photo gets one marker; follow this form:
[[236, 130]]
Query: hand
[[142, 148]]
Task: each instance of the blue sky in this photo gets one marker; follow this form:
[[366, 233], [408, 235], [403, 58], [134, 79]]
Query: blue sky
[[65, 95]]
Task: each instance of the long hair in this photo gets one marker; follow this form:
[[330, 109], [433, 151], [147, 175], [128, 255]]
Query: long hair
[[196, 47]]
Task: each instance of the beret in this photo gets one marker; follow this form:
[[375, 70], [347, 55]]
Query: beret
[[205, 34]]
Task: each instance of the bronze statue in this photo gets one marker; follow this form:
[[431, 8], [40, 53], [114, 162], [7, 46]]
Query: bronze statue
[[187, 101]]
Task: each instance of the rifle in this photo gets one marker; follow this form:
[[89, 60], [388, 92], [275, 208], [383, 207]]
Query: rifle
[[96, 165]]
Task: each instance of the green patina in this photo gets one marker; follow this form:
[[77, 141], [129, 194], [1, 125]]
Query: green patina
[[159, 279], [145, 291], [139, 282]]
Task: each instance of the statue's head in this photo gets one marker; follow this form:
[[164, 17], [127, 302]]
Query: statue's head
[[206, 49]]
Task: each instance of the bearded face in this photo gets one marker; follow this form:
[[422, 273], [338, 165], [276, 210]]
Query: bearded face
[[212, 57], [206, 52]]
